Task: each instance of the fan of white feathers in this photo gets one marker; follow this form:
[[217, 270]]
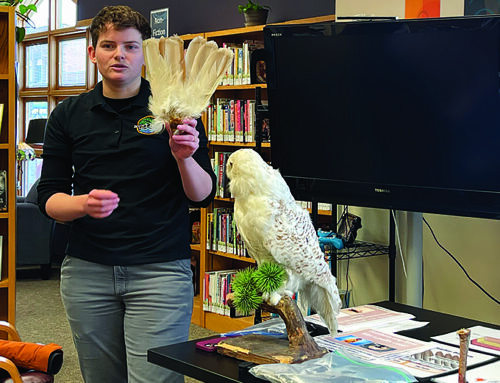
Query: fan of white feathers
[[182, 82]]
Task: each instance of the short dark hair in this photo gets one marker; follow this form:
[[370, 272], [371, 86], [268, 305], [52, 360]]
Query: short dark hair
[[121, 17]]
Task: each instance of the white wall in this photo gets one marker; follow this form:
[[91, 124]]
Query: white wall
[[474, 242], [390, 8]]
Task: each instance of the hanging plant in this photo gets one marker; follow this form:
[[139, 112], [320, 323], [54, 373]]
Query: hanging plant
[[22, 12]]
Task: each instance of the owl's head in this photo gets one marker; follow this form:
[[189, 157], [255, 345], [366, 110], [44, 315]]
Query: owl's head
[[247, 172]]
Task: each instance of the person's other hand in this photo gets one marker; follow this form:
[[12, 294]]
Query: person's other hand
[[101, 203]]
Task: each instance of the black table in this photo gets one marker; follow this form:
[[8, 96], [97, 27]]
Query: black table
[[186, 359]]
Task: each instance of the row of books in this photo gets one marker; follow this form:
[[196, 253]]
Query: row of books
[[231, 120], [239, 71], [219, 162], [216, 287], [222, 233], [3, 190]]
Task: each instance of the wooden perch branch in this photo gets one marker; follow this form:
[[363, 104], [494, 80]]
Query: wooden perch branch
[[258, 349]]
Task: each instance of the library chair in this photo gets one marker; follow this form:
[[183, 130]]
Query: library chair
[[34, 231], [33, 363]]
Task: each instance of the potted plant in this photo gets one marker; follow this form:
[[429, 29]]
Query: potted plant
[[254, 14], [22, 12]]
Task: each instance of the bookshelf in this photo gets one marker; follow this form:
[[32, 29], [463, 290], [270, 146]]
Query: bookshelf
[[7, 162], [206, 258]]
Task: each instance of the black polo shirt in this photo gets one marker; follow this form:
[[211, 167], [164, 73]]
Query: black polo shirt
[[87, 146]]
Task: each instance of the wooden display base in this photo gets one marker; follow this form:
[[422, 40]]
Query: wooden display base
[[261, 349]]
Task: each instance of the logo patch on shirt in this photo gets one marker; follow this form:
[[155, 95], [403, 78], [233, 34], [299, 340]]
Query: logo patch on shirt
[[149, 125]]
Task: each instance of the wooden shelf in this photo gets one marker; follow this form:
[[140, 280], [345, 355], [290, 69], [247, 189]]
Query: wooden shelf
[[198, 317], [239, 144], [232, 256], [216, 260], [4, 283], [195, 246], [241, 87], [8, 163]]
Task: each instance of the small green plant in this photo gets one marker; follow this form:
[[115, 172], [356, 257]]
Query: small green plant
[[269, 277], [251, 6], [246, 297], [249, 284], [22, 12]]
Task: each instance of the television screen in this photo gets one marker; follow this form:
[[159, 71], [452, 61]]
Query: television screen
[[396, 114]]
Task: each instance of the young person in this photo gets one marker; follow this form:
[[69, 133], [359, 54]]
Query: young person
[[126, 281]]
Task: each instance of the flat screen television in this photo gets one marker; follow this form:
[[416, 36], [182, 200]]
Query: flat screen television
[[396, 114]]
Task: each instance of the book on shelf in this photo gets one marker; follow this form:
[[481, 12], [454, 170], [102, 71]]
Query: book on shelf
[[1, 116], [222, 233], [219, 165], [210, 225], [239, 122], [238, 72], [249, 134], [210, 122], [3, 190], [232, 120], [216, 287], [1, 252]]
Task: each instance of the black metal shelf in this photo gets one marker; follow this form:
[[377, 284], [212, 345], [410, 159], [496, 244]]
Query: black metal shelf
[[361, 249]]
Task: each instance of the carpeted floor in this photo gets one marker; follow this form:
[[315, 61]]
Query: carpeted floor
[[40, 318]]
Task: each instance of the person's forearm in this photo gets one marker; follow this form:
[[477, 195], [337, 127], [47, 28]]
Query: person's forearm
[[196, 181], [63, 207]]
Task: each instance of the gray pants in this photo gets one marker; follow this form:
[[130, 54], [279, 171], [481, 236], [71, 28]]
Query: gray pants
[[117, 313]]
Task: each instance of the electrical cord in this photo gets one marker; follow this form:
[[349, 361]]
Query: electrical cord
[[459, 264], [399, 242]]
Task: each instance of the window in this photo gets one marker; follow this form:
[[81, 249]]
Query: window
[[40, 18], [53, 61], [37, 65], [53, 65], [68, 17], [72, 62]]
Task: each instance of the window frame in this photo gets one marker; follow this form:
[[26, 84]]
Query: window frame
[[53, 93]]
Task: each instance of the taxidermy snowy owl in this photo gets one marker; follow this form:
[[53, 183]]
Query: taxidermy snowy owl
[[275, 229]]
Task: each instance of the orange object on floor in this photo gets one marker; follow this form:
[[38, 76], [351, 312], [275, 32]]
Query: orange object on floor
[[31, 356], [48, 360]]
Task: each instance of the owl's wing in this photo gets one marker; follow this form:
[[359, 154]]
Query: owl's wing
[[252, 216], [293, 243]]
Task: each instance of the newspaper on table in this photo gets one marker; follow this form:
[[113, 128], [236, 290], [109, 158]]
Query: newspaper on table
[[482, 338], [419, 358], [371, 316]]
